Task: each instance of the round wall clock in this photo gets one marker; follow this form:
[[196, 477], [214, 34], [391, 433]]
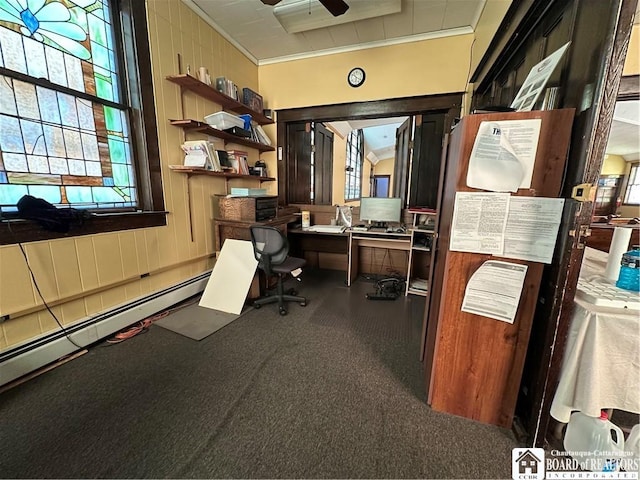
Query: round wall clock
[[356, 77]]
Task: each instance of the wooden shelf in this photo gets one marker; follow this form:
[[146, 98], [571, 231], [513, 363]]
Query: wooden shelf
[[195, 126], [207, 91], [227, 175]]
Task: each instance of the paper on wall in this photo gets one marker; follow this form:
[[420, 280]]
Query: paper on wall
[[503, 155], [494, 290], [532, 228], [478, 222]]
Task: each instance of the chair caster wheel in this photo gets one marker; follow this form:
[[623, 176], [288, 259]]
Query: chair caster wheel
[[303, 304], [283, 312], [256, 306]]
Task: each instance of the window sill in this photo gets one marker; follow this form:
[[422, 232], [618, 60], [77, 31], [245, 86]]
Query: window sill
[[23, 231]]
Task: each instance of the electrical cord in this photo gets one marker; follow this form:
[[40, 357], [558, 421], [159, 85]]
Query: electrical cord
[[144, 325], [470, 63], [35, 284], [140, 327]]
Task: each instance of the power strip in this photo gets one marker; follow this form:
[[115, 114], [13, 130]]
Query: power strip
[[375, 296]]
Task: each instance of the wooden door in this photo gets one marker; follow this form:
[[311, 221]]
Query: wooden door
[[299, 164], [403, 152], [425, 165], [474, 366], [322, 165]]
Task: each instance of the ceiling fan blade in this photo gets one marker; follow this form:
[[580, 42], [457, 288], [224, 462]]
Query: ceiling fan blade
[[271, 2], [336, 7]]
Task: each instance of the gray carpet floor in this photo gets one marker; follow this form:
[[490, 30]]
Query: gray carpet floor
[[333, 390]]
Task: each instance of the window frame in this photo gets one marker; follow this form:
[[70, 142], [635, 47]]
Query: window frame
[[628, 183], [359, 164], [134, 57]]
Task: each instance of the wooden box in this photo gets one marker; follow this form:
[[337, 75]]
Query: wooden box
[[249, 209]]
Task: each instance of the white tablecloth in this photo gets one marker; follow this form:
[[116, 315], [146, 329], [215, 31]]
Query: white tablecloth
[[601, 366]]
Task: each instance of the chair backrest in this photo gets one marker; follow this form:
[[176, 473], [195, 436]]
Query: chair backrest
[[270, 246]]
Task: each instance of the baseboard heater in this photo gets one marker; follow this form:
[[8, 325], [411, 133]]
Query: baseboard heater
[[44, 350]]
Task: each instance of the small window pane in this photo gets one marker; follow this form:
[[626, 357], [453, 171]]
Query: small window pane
[[632, 195]]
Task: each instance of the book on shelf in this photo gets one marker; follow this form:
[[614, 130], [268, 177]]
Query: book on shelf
[[238, 159], [262, 135], [226, 86]]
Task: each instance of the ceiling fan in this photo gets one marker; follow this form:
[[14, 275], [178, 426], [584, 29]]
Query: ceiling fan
[[335, 7]]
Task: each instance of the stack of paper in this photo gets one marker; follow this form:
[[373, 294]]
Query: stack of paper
[[200, 153], [327, 228], [419, 284]]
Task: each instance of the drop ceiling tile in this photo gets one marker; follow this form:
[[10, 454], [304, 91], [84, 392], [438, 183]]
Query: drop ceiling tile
[[461, 13], [399, 24], [319, 39], [371, 30], [344, 34], [428, 16]]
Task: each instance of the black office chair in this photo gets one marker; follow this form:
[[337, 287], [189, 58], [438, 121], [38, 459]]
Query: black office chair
[[271, 249]]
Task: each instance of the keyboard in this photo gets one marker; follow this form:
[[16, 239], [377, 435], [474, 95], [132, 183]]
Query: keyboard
[[327, 228], [600, 293]]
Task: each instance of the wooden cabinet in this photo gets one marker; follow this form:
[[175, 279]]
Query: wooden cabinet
[[252, 209], [473, 364], [236, 214]]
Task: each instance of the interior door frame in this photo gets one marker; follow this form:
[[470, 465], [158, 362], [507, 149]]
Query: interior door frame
[[572, 249], [449, 103]]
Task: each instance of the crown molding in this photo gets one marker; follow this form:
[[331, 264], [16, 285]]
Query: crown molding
[[366, 46]]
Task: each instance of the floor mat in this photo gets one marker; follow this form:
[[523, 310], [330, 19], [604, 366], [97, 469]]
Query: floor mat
[[196, 322]]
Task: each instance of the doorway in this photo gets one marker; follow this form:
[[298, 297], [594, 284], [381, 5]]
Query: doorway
[[380, 187], [447, 106]]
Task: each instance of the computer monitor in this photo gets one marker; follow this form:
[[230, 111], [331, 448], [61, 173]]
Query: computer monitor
[[380, 211]]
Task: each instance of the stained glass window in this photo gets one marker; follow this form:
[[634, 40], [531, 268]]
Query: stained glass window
[[64, 131]]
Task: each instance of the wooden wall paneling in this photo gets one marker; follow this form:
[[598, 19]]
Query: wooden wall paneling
[[477, 362], [333, 261]]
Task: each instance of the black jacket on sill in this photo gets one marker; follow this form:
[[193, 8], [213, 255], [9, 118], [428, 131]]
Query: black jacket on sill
[[50, 217]]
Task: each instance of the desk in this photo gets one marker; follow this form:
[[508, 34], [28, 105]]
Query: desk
[[348, 242], [310, 245], [601, 365], [392, 241], [239, 229]]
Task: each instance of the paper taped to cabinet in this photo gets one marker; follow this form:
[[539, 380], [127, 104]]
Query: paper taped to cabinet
[[494, 290]]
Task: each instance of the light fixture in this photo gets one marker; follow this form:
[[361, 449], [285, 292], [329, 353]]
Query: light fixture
[[372, 157], [301, 15]]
